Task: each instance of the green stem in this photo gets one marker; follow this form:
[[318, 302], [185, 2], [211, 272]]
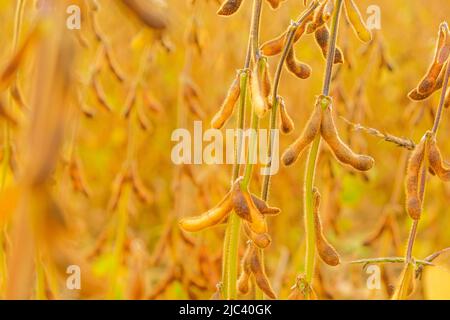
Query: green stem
[[312, 157], [231, 241], [259, 295]]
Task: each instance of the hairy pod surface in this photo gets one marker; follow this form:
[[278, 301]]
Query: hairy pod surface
[[243, 282], [287, 125], [428, 82], [341, 151], [435, 160], [229, 7], [356, 21], [275, 46], [322, 37], [413, 201], [263, 207], [326, 251], [312, 128], [415, 95], [300, 69], [261, 278], [318, 18], [226, 110], [261, 240]]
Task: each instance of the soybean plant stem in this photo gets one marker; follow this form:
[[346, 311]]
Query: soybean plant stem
[[437, 120], [313, 153], [231, 241]]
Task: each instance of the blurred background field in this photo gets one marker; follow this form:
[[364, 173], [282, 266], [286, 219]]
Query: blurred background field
[[128, 244]]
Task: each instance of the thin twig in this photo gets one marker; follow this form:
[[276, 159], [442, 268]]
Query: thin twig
[[400, 142]]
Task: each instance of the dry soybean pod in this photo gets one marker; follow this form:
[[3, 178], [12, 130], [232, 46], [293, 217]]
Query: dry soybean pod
[[317, 19], [262, 206], [260, 276], [415, 95], [300, 69], [258, 223], [229, 7], [326, 251], [286, 123], [428, 82], [341, 151], [312, 128], [243, 282], [226, 110], [261, 240], [240, 203], [413, 202], [356, 21], [210, 218], [435, 160], [322, 36], [444, 51], [275, 46]]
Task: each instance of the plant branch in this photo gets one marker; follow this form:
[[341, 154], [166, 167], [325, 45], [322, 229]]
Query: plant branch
[[313, 153]]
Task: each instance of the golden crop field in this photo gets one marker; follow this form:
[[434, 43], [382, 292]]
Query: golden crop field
[[244, 149]]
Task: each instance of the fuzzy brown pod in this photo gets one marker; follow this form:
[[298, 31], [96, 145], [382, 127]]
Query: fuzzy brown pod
[[150, 12], [264, 208], [428, 82], [298, 68], [412, 180], [416, 96], [356, 21], [229, 7], [435, 160], [444, 51], [287, 125], [275, 46], [226, 110], [261, 240], [340, 150], [312, 128], [322, 37], [248, 210], [243, 282], [318, 19], [261, 279], [326, 251]]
